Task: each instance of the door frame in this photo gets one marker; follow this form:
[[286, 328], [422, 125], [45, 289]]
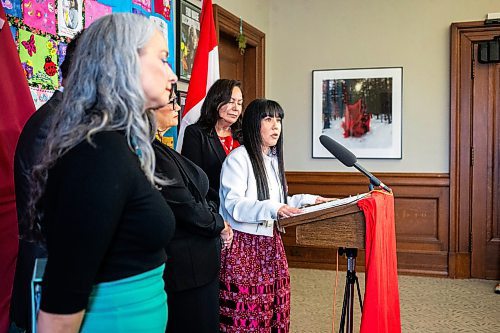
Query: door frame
[[229, 23], [463, 37]]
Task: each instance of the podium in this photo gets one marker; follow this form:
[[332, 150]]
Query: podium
[[336, 227], [341, 227]]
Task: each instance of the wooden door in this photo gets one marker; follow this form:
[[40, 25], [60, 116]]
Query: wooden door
[[475, 161], [230, 59], [247, 67], [485, 165]]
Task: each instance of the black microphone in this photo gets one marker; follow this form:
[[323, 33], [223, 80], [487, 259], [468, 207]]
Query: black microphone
[[347, 158]]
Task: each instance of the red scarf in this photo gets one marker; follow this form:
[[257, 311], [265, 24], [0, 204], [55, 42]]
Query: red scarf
[[228, 143], [381, 305]]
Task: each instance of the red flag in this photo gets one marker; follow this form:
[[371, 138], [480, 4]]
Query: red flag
[[205, 70], [17, 105]]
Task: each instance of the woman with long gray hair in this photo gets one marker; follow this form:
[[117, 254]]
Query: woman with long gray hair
[[94, 196]]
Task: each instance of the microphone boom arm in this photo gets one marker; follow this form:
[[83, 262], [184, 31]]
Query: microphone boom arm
[[349, 159], [373, 180]]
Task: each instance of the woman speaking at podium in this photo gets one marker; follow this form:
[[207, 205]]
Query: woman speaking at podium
[[255, 282]]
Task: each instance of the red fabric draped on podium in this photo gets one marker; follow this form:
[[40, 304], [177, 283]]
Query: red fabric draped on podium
[[17, 105], [381, 302]]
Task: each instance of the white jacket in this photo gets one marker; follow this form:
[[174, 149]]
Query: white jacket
[[239, 205]]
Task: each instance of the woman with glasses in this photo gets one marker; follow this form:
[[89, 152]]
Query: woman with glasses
[[162, 133], [193, 256], [217, 131]]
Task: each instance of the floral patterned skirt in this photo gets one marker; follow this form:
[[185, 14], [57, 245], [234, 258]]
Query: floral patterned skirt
[[255, 285]]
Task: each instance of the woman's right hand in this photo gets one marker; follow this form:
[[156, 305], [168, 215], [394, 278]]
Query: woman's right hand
[[226, 235], [288, 211]]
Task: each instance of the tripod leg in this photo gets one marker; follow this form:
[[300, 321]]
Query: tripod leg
[[350, 302], [348, 306], [344, 306], [359, 295]]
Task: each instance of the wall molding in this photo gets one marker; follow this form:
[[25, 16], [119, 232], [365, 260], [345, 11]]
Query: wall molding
[[421, 202]]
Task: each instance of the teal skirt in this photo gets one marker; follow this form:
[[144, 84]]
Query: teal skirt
[[134, 304]]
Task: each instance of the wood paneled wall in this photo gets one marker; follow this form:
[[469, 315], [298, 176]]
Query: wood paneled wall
[[421, 215]]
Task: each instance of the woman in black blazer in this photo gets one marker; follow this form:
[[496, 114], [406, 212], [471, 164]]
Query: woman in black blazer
[[216, 133], [193, 256]]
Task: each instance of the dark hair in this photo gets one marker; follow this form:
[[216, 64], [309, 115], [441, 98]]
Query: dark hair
[[254, 113], [70, 49], [218, 95]]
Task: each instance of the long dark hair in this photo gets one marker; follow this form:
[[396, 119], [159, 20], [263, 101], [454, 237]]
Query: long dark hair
[[254, 113], [218, 95]]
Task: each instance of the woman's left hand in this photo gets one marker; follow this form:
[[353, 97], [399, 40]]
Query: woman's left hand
[[322, 200]]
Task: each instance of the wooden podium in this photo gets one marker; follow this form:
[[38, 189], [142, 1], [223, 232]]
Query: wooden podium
[[341, 226]]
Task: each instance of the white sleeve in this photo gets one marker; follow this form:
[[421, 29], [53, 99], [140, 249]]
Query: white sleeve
[[300, 200], [236, 175]]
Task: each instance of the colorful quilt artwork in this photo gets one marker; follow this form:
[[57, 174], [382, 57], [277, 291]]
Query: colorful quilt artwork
[[94, 10], [163, 27], [40, 14], [38, 56], [164, 8], [13, 30], [12, 7], [40, 96], [145, 4], [163, 17], [61, 54], [41, 30], [140, 11], [69, 17], [118, 6]]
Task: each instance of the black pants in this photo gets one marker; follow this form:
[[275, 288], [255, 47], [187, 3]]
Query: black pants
[[194, 310]]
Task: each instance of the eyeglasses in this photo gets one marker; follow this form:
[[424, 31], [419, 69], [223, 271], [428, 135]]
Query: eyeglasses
[[173, 100], [173, 95]]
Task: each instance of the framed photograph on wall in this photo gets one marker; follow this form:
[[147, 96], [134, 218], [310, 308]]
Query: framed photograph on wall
[[188, 30], [182, 101], [359, 108]]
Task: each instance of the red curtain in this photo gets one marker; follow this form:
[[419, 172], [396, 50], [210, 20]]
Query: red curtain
[[16, 107], [381, 311]]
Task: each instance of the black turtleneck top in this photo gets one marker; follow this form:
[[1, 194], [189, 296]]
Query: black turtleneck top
[[103, 221]]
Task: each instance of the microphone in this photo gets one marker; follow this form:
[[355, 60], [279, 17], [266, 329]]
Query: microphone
[[347, 158]]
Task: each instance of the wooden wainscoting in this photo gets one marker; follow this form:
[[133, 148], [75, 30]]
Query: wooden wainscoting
[[421, 217]]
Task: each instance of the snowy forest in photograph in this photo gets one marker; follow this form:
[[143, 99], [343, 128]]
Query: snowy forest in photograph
[[360, 109]]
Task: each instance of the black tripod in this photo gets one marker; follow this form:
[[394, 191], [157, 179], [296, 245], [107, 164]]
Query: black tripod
[[351, 279]]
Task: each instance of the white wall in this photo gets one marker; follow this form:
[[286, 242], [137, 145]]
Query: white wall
[[334, 34], [254, 12], [302, 36]]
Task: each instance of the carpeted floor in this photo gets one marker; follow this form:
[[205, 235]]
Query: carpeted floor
[[427, 304]]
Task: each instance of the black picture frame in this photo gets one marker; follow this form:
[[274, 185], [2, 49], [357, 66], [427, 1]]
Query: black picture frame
[[188, 33], [181, 95]]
